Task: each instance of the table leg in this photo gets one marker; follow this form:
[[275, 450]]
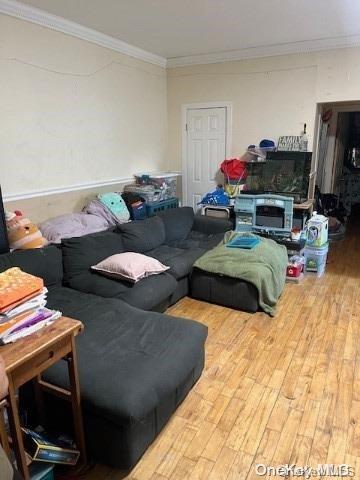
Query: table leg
[[16, 433], [76, 401], [3, 433], [39, 399]]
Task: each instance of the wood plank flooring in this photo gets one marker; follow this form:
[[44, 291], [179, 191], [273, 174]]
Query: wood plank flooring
[[274, 390]]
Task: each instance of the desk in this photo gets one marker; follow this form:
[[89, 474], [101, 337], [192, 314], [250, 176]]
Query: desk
[[26, 359], [302, 212], [307, 205]]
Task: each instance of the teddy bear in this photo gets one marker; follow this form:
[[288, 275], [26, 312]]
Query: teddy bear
[[22, 233]]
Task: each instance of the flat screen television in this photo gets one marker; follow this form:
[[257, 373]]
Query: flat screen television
[[4, 244], [283, 173]]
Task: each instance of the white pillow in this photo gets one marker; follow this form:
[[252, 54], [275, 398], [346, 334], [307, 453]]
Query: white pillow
[[129, 266]]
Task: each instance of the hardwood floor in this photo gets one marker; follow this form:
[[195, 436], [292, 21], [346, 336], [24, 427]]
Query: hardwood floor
[[274, 390]]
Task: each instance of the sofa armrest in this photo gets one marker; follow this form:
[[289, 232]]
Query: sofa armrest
[[211, 225]]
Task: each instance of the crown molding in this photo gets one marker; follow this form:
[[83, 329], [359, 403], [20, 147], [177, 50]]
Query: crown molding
[[40, 17], [305, 46], [71, 188]]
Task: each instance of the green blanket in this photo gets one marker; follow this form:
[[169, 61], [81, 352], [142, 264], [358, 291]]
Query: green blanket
[[264, 266]]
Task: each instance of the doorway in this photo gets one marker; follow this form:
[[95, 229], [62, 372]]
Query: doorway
[[206, 143], [338, 171]]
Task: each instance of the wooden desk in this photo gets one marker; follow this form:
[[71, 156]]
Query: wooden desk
[[26, 359], [307, 205]]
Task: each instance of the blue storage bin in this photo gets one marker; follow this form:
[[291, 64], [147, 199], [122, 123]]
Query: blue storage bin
[[155, 207], [315, 259], [41, 471], [138, 212]]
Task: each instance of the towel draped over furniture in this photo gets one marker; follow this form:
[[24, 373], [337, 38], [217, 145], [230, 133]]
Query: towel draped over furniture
[[264, 266]]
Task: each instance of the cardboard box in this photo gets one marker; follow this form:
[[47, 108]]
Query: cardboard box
[[42, 449]]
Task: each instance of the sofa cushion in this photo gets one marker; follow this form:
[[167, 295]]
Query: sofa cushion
[[201, 240], [143, 235], [147, 294], [179, 260], [79, 305], [178, 223], [80, 253], [42, 262]]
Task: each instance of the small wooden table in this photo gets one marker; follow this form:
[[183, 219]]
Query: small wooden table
[[26, 359], [304, 211], [307, 205]]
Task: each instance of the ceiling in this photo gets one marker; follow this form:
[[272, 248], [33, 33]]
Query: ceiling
[[183, 28]]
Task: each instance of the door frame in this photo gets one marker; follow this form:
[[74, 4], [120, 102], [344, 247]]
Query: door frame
[[336, 107], [228, 140]]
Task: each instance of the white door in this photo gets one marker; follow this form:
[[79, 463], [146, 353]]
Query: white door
[[205, 150]]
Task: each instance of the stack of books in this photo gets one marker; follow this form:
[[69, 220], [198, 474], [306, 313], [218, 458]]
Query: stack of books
[[22, 305]]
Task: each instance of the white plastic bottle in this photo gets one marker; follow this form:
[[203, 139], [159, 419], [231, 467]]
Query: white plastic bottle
[[304, 140]]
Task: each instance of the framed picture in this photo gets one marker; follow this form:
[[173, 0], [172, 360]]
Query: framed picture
[[289, 143], [4, 243]]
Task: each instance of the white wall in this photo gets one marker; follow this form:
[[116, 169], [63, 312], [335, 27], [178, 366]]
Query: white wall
[[76, 113], [271, 96], [73, 112]]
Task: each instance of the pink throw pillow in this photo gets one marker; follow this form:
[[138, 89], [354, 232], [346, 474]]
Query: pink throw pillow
[[129, 266]]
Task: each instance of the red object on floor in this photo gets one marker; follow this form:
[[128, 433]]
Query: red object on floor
[[293, 270]]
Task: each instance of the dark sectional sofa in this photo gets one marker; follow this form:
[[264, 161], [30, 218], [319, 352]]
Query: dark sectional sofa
[[136, 364]]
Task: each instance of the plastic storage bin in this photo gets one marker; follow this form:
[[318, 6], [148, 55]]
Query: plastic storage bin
[[315, 259], [317, 230], [41, 471], [153, 208], [148, 192], [166, 182]]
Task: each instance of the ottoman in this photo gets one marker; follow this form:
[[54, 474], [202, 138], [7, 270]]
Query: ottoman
[[223, 290]]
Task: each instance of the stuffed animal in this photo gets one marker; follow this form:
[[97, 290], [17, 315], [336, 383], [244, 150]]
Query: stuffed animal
[[115, 203], [22, 233]]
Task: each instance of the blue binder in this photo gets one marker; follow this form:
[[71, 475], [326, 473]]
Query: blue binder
[[243, 242]]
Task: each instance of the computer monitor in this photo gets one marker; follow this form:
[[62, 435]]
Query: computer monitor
[[4, 243]]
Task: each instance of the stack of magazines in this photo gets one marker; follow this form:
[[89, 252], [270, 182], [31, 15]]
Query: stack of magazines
[[22, 305]]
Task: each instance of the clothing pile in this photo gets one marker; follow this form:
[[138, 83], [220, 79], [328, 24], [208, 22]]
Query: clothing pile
[[22, 305], [149, 193]]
